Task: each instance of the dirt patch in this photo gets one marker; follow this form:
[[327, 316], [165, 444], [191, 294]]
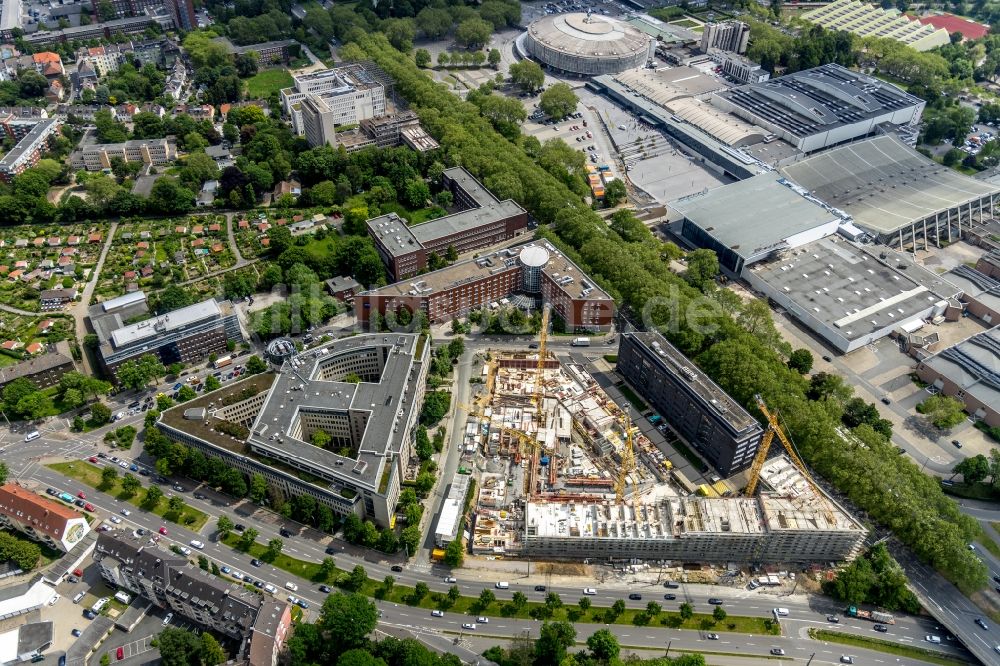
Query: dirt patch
[[563, 569]]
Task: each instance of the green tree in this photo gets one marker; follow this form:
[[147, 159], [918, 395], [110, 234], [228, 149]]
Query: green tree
[[686, 611], [258, 488], [702, 267], [527, 75], [255, 365], [584, 604], [130, 485], [153, 497], [211, 652], [179, 647], [553, 640], [422, 57], [653, 609], [603, 645], [327, 568], [175, 504], [108, 477], [212, 383], [247, 539], [320, 438], [224, 525], [801, 361], [942, 410], [614, 193], [558, 101], [454, 554], [486, 597], [473, 33], [494, 58], [718, 614], [274, 547], [974, 469], [347, 619]]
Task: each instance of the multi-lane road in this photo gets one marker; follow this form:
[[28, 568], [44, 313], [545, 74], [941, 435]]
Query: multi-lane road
[[307, 544]]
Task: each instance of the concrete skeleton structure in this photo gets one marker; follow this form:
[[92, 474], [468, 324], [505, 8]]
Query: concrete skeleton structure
[[185, 335], [370, 423], [788, 522], [823, 106], [481, 220], [867, 20], [587, 45], [538, 271], [701, 412], [41, 519], [98, 156], [257, 623]]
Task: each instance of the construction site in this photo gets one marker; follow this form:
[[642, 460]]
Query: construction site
[[563, 473]]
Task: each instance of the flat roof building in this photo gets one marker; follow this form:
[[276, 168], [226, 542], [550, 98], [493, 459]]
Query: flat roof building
[[538, 271], [849, 295], [343, 95], [905, 199], [732, 36], [789, 521], [695, 406], [45, 370], [865, 20], [29, 148], [449, 523], [968, 371], [823, 106], [370, 423], [750, 220], [185, 335], [98, 156], [40, 518], [481, 220]]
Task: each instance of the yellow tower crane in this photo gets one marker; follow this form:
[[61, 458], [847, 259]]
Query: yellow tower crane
[[628, 458], [543, 335], [774, 428]]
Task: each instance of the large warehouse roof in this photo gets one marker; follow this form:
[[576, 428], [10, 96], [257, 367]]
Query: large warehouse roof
[[752, 215], [818, 100], [885, 185], [870, 21], [849, 290]]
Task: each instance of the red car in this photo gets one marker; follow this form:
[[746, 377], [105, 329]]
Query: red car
[[163, 530], [121, 653], [92, 459], [78, 573], [82, 495], [89, 507]]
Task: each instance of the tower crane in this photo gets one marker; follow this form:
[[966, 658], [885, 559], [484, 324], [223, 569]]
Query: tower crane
[[628, 458], [773, 429], [543, 335]]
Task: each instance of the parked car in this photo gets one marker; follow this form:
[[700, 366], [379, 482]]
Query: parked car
[[635, 596], [450, 579], [539, 588], [777, 651], [437, 613], [670, 597]]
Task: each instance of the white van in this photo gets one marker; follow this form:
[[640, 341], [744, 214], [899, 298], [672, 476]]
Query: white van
[[589, 591], [291, 586], [503, 585], [34, 434], [781, 612], [79, 597]]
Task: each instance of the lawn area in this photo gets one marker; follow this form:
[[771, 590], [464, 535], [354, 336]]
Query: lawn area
[[897, 649], [469, 605], [685, 23], [264, 83], [632, 397], [91, 475]]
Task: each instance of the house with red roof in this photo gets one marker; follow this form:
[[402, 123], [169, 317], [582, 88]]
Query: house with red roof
[[35, 348], [215, 227], [197, 242], [38, 242], [129, 275], [55, 241], [40, 518], [217, 248], [14, 275], [142, 245], [45, 325], [94, 238], [243, 224], [73, 240], [197, 230], [11, 345]]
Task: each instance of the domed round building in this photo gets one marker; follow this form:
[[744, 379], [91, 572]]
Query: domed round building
[[587, 45]]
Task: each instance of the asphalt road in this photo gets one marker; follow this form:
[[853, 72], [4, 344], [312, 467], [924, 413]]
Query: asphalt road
[[310, 545]]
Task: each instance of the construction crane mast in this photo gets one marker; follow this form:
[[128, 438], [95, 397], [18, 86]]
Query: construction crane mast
[[773, 429], [628, 458], [543, 335]]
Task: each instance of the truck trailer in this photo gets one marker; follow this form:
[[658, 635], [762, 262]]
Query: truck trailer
[[871, 616]]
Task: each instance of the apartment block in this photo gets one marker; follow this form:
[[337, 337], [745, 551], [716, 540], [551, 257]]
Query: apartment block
[[257, 623], [482, 220], [701, 412], [98, 156], [343, 95], [43, 371], [532, 271], [731, 36], [40, 518], [29, 148]]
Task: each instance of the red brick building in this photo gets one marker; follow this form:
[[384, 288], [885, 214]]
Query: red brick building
[[482, 221], [535, 270]]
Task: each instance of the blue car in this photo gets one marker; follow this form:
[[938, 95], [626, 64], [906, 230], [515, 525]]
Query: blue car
[[133, 467], [177, 386], [302, 603]]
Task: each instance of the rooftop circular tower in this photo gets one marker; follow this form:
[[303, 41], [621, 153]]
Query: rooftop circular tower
[[532, 259], [587, 45]]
